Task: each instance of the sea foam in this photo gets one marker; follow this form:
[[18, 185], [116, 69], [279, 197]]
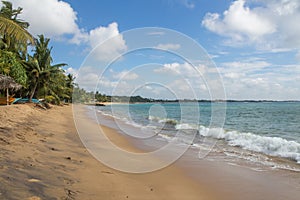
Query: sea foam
[[274, 146]]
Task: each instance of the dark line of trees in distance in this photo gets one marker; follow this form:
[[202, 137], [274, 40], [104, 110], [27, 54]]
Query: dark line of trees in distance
[[82, 96]]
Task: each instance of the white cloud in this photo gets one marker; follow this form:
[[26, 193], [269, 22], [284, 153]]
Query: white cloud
[[169, 68], [107, 50], [125, 75], [87, 77], [183, 69], [244, 67], [268, 24], [106, 42], [72, 71], [192, 81], [49, 17], [232, 75], [168, 46], [258, 79], [239, 22], [57, 20]]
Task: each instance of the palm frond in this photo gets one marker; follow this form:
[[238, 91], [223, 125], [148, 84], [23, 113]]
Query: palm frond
[[14, 30]]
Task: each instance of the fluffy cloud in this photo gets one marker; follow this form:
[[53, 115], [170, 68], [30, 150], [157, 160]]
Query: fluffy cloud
[[239, 21], [106, 43], [57, 19], [182, 69], [271, 25], [253, 79], [48, 17], [125, 75], [189, 81], [107, 50], [232, 71], [243, 67]]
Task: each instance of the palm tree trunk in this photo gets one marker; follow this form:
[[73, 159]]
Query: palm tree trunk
[[7, 98], [33, 91]]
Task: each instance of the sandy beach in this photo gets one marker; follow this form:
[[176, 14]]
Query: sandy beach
[[42, 157]]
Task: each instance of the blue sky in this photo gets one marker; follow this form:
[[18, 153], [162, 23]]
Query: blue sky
[[255, 45]]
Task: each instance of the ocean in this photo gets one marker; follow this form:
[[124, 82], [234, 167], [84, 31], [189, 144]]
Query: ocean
[[261, 134]]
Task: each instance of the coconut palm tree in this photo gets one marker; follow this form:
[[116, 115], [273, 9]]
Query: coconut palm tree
[[14, 36], [70, 84], [40, 69], [10, 28], [14, 39]]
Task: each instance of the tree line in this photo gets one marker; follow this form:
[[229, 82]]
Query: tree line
[[82, 96], [34, 70]]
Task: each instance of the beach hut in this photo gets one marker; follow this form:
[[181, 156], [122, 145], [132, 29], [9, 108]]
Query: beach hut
[[8, 83]]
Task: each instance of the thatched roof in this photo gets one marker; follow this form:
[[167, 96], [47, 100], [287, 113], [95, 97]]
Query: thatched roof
[[8, 82]]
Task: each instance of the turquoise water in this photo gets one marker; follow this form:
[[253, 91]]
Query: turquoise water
[[272, 128]]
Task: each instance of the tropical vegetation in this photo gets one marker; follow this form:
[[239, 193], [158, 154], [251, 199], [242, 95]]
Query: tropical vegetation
[[34, 70]]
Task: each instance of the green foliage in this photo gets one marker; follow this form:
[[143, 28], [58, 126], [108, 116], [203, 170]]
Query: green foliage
[[11, 66], [45, 78], [37, 73], [14, 36], [81, 96], [102, 97], [50, 99]]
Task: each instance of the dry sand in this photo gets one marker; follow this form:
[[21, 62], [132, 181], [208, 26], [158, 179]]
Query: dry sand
[[41, 157]]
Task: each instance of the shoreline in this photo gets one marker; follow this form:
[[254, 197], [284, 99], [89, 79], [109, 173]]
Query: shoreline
[[252, 182], [269, 148], [42, 157]]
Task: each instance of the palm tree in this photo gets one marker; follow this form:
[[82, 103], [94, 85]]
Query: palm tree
[[57, 87], [34, 72], [14, 35], [14, 39], [39, 67], [14, 30], [70, 81], [70, 84]]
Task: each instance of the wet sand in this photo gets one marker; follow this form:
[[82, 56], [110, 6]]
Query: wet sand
[[41, 157], [231, 178]]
